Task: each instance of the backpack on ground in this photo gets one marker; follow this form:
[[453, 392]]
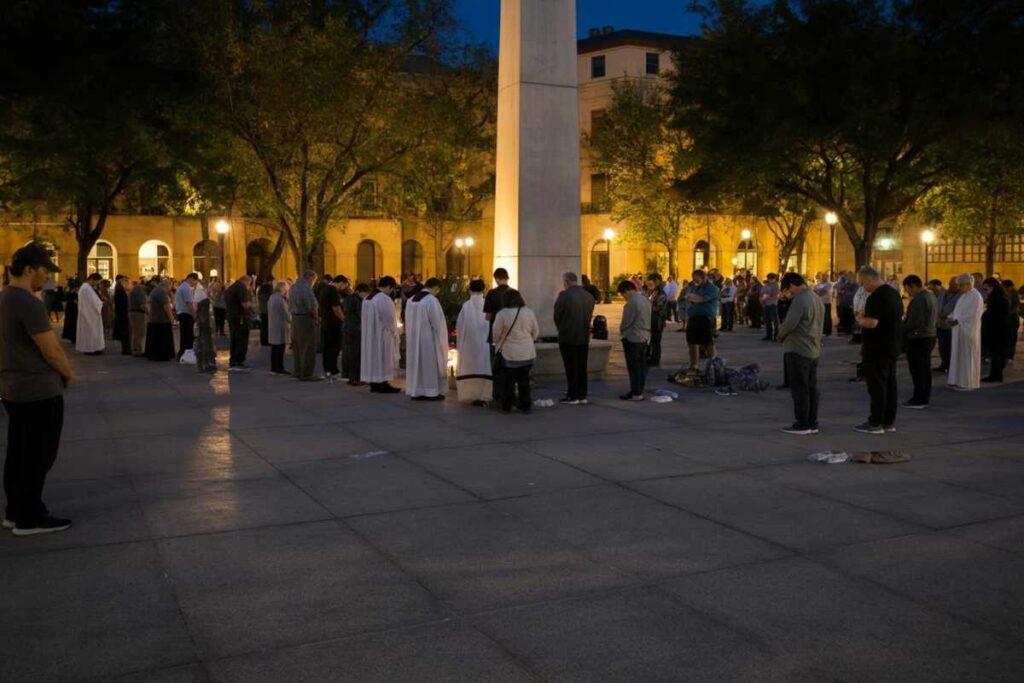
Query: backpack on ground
[[749, 379], [715, 373]]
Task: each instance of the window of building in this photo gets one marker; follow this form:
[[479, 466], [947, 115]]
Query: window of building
[[653, 63], [597, 67], [600, 265], [701, 254], [205, 257], [412, 258], [1008, 250], [598, 121], [101, 260], [154, 259], [369, 261], [598, 189], [746, 255]]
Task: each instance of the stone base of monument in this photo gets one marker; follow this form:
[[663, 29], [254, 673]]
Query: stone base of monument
[[549, 366]]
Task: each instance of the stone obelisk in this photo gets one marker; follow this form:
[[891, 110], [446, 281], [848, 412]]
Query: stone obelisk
[[537, 202]]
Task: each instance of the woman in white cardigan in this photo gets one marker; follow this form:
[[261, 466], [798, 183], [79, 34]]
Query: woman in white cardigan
[[514, 333]]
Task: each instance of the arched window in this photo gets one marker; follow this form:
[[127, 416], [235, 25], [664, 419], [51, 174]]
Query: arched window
[[154, 259], [257, 255], [205, 257], [655, 260], [701, 254], [412, 258], [102, 260], [455, 262], [600, 265], [746, 255], [369, 261]]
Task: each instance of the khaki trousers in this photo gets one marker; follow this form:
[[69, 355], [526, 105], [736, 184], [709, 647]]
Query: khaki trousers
[[138, 332], [304, 345]]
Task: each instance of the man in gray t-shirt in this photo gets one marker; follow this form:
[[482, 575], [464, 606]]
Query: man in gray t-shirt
[[33, 374], [770, 305]]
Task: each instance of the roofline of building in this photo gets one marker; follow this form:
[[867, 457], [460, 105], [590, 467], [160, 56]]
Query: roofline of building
[[631, 38]]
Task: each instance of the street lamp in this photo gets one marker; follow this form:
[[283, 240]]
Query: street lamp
[[745, 235], [223, 228], [831, 218], [608, 235], [927, 237], [464, 243], [469, 256]]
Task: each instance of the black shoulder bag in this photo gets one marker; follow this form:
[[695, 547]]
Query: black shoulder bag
[[498, 362]]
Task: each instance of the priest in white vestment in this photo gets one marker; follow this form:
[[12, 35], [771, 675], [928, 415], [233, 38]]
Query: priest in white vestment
[[379, 338], [426, 345], [965, 357], [89, 331], [473, 372]]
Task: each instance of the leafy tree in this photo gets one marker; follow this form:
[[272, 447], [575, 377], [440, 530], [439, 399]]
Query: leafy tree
[[788, 221], [983, 200], [847, 104], [320, 94], [644, 160], [84, 122]]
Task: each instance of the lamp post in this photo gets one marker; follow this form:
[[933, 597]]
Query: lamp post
[[469, 256], [223, 228], [831, 218], [927, 237], [608, 235]]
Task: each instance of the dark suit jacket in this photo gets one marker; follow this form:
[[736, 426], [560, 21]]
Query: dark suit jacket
[[573, 309]]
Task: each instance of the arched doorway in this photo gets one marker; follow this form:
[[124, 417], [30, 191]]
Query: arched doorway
[[154, 259], [257, 256], [369, 261], [412, 258], [600, 265], [205, 258], [701, 254], [455, 262], [746, 255]]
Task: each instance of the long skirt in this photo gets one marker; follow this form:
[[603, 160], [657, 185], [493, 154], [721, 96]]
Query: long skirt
[[159, 341], [351, 347], [70, 331]]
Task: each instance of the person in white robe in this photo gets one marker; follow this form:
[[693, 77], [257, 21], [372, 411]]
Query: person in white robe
[[379, 339], [426, 345], [89, 331], [965, 358], [473, 369]]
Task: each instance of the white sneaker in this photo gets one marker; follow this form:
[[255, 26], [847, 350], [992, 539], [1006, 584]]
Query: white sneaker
[[7, 524]]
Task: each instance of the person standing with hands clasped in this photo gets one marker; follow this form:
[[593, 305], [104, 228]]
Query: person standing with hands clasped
[[800, 335], [919, 338], [881, 340], [635, 330], [33, 374]]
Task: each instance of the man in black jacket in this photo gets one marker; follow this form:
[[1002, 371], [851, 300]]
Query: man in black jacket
[[881, 341], [919, 339], [659, 314], [574, 308]]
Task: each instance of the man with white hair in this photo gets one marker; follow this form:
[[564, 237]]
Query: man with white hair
[[965, 321], [881, 341]]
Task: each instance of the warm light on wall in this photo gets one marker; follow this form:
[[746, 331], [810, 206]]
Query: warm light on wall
[[928, 236]]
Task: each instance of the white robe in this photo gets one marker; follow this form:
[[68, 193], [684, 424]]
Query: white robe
[[965, 358], [379, 348], [89, 333], [473, 374], [426, 346]]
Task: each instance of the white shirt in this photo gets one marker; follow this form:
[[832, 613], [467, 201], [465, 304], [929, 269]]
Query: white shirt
[[183, 299]]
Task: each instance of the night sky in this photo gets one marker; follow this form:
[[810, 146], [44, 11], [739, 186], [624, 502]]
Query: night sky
[[666, 16]]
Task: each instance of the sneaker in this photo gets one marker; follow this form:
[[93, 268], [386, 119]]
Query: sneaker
[[581, 402], [239, 368], [889, 428], [868, 428], [915, 406], [7, 523], [798, 430], [567, 400], [631, 397], [47, 525]]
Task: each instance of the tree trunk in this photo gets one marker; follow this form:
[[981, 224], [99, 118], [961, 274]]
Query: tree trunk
[[86, 237], [672, 268]]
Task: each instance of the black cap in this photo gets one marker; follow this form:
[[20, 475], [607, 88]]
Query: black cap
[[34, 255]]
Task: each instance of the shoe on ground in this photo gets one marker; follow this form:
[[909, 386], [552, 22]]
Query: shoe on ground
[[567, 400], [631, 397], [991, 380], [388, 389], [7, 523], [889, 428], [868, 428], [47, 525], [913, 405], [799, 430], [439, 397], [239, 368]]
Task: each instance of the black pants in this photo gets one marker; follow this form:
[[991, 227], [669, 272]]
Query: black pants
[[919, 360], [654, 348], [264, 329], [802, 377], [33, 437], [238, 327], [303, 345], [997, 358], [332, 347], [574, 358], [728, 315], [771, 322], [945, 338], [636, 365], [826, 328], [880, 376], [516, 381], [351, 349], [219, 316], [277, 357], [673, 310], [186, 333]]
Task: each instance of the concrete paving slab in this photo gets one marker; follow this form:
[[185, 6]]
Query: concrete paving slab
[[436, 652], [415, 433], [618, 457], [88, 613], [1005, 534], [370, 485], [211, 453], [475, 558], [245, 591], [303, 443], [813, 617]]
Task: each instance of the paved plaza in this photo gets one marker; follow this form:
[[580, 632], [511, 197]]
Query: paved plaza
[[252, 528]]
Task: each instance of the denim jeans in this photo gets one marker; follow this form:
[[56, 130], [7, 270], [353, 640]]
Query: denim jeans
[[802, 377], [728, 315], [771, 321], [919, 360], [636, 365]]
